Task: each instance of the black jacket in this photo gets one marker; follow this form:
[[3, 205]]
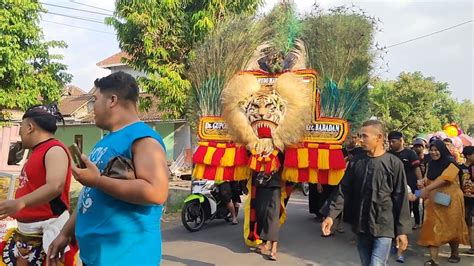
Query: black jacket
[[386, 212]]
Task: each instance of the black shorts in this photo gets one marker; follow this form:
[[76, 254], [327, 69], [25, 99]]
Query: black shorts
[[230, 191]]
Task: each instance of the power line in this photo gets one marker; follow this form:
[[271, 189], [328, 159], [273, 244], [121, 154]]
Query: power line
[[76, 9], [430, 34], [99, 8], [74, 17], [77, 27]]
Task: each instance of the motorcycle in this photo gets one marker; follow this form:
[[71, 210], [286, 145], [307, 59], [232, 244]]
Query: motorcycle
[[204, 204]]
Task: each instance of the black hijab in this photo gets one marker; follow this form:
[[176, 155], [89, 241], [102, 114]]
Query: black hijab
[[436, 167]]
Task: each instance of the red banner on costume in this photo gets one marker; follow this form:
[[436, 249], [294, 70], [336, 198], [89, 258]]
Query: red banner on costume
[[220, 161], [314, 163]]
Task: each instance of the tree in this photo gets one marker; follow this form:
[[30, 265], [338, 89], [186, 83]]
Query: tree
[[29, 74], [466, 112], [159, 36], [340, 49], [413, 104], [339, 43]]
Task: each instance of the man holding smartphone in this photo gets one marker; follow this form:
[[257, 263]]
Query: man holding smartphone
[[117, 221]]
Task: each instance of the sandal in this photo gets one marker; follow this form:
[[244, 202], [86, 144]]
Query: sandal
[[470, 251], [431, 263], [454, 259], [401, 259], [256, 250]]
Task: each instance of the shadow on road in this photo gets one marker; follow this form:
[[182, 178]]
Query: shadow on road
[[300, 244], [169, 258], [217, 232]]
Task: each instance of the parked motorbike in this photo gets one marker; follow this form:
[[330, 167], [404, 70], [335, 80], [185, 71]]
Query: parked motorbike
[[204, 204]]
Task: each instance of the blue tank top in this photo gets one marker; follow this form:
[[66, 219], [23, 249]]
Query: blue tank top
[[111, 231]]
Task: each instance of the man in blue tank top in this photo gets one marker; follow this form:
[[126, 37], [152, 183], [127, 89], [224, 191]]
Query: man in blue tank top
[[117, 221]]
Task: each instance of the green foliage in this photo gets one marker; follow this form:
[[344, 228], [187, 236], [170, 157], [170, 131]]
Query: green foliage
[[413, 104], [282, 49], [339, 43], [29, 74], [159, 35], [204, 14], [284, 27], [347, 102], [466, 113], [339, 48]]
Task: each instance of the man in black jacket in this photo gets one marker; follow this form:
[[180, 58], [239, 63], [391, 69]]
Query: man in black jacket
[[375, 187], [411, 163]]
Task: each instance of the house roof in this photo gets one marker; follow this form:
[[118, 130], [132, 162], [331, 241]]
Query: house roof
[[69, 104], [151, 114], [71, 90], [114, 60]]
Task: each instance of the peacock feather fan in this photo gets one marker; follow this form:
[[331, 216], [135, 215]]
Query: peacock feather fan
[[223, 53], [341, 101], [283, 49]]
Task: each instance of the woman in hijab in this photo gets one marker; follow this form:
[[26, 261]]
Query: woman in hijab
[[444, 205]]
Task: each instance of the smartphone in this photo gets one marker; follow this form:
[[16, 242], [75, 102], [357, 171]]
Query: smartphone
[[76, 156]]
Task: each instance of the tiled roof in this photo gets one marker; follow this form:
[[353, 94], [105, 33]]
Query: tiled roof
[[152, 113], [89, 118], [114, 60], [71, 90], [70, 104]]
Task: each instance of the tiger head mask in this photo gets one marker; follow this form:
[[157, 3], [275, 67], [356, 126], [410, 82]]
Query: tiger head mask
[[265, 117]]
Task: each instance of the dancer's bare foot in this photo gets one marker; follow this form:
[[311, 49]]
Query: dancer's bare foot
[[273, 253], [273, 256], [263, 249]]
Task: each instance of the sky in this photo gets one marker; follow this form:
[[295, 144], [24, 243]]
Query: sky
[[446, 56]]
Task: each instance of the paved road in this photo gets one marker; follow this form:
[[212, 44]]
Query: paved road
[[220, 243]]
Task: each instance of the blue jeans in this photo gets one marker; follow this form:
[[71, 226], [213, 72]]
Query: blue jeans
[[373, 251]]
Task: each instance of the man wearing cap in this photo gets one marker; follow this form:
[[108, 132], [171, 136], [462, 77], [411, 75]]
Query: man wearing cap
[[419, 147], [411, 163]]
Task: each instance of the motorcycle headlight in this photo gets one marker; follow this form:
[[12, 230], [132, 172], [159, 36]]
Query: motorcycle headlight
[[209, 185]]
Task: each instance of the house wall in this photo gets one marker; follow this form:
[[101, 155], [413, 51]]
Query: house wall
[[166, 131], [8, 135], [91, 134], [175, 136], [128, 70], [182, 136]]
